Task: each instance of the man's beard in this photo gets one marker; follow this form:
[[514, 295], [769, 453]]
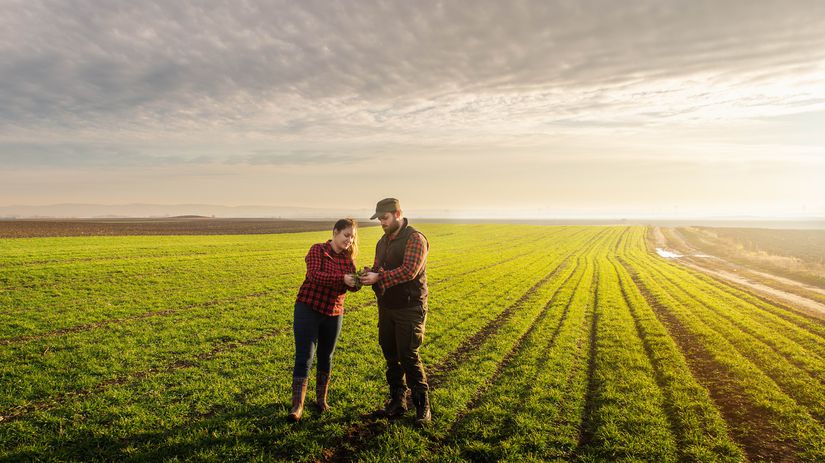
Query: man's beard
[[391, 228]]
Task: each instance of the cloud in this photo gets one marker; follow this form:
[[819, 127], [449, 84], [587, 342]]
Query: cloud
[[84, 155], [144, 65], [297, 158]]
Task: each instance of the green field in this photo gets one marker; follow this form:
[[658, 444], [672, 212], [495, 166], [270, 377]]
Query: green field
[[543, 343]]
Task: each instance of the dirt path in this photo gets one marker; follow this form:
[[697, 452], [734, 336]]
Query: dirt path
[[786, 296], [659, 238], [701, 264]]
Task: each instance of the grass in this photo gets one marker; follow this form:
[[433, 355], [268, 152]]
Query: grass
[[543, 343]]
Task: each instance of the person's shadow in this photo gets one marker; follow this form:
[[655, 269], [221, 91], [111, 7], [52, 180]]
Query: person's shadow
[[253, 427]]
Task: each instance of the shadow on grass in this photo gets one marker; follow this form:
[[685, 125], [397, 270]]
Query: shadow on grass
[[240, 433]]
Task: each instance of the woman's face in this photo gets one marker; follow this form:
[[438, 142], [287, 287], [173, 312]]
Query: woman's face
[[342, 239]]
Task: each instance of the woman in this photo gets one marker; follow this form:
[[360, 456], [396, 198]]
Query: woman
[[319, 310]]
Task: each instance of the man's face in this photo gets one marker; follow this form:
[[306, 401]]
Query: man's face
[[389, 222]]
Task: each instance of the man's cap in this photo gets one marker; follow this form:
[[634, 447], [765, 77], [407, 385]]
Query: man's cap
[[386, 205]]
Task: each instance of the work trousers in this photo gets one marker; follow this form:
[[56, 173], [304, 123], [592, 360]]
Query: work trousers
[[400, 334]]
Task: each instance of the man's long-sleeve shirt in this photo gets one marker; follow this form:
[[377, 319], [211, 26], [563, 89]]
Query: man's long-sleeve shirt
[[415, 255]]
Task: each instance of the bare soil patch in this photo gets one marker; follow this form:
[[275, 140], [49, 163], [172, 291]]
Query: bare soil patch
[[33, 228]]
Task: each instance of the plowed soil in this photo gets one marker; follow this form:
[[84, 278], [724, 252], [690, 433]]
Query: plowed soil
[[31, 228]]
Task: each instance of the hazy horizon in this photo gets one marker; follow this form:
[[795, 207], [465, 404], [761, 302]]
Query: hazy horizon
[[137, 211], [517, 109]]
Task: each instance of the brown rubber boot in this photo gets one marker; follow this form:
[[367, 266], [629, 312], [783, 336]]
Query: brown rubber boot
[[396, 406], [299, 392], [423, 416], [321, 390]]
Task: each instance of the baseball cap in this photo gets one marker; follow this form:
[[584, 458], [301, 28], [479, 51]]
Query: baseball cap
[[386, 205]]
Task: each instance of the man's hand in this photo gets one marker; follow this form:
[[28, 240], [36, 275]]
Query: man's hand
[[349, 280], [370, 278]]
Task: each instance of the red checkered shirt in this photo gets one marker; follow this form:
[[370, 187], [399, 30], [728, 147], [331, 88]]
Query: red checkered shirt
[[324, 288], [415, 256]]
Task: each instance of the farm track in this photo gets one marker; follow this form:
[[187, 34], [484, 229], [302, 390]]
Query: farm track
[[812, 321], [779, 282], [748, 425], [791, 297], [801, 298], [768, 356], [808, 280]]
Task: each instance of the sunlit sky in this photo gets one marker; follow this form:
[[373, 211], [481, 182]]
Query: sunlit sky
[[458, 108]]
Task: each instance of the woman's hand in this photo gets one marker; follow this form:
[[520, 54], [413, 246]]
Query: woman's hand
[[349, 280]]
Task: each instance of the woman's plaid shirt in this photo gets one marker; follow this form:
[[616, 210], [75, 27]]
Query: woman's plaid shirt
[[324, 288]]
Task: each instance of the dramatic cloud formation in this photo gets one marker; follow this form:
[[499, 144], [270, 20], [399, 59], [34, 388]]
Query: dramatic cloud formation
[[297, 86]]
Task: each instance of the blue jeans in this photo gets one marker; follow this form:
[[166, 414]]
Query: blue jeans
[[314, 331]]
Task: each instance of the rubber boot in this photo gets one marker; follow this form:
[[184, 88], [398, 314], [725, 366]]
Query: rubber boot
[[321, 390], [396, 406], [299, 392], [423, 416]]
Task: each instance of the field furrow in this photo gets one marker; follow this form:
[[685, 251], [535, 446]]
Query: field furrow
[[625, 418]]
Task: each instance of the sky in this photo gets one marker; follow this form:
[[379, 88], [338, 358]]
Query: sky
[[458, 108]]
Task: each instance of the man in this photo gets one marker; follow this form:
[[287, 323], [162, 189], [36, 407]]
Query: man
[[399, 279]]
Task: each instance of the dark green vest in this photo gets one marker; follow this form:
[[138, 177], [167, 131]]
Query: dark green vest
[[390, 255]]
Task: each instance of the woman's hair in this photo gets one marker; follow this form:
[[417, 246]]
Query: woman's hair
[[342, 225]]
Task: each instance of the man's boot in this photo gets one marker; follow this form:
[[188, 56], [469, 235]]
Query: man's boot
[[299, 392], [321, 390], [423, 416], [396, 406]]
